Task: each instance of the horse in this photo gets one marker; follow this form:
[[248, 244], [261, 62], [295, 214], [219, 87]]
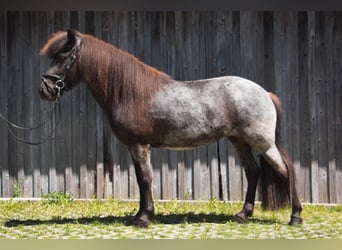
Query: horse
[[147, 108]]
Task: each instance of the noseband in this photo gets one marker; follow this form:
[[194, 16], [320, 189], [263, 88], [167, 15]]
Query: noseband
[[59, 79]]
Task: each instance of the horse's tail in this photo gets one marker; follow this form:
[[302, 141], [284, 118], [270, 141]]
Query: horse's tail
[[276, 192]]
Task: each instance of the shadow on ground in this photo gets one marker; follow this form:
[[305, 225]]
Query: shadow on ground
[[189, 218]]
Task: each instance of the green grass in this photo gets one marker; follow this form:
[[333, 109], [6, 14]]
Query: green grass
[[59, 216]]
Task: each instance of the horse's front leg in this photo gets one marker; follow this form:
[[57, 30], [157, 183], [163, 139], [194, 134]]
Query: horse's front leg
[[141, 159]]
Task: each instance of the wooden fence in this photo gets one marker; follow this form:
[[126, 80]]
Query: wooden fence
[[297, 55]]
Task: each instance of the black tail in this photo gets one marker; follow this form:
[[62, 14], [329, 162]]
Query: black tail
[[276, 192]]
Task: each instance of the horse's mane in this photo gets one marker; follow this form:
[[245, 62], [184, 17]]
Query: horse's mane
[[113, 75]]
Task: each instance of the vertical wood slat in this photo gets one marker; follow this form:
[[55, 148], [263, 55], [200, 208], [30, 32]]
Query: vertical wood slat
[[72, 172], [312, 95], [45, 156], [320, 82], [296, 54], [4, 162], [304, 110], [30, 60], [91, 121], [99, 143], [330, 111], [337, 89], [14, 49]]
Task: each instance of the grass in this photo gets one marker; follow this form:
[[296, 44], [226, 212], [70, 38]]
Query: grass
[[58, 216]]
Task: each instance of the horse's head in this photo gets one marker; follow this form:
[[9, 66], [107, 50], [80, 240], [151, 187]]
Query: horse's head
[[63, 48]]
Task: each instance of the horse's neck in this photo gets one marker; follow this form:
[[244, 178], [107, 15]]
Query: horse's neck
[[110, 81]]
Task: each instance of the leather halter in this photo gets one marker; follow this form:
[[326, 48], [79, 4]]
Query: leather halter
[[60, 79]]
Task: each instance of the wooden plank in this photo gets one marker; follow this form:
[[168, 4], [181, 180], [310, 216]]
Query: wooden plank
[[337, 90], [194, 68], [269, 80], [312, 93], [182, 47], [44, 18], [303, 176], [330, 23], [29, 98], [73, 172], [14, 76], [293, 109], [126, 29], [284, 59], [223, 53], [225, 62], [61, 145], [167, 184], [4, 152], [35, 79], [20, 111], [117, 169], [99, 158], [287, 81], [91, 121], [235, 173], [107, 30], [159, 60], [201, 161], [82, 127], [36, 192], [68, 149], [168, 65], [321, 105]]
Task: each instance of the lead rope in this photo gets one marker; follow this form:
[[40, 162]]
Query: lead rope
[[11, 125]]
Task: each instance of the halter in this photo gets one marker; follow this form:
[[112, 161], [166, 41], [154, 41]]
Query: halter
[[60, 83]]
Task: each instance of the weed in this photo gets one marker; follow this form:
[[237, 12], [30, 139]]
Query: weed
[[57, 198], [18, 188]]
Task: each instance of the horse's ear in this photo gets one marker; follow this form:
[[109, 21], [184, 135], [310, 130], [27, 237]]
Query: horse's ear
[[71, 37]]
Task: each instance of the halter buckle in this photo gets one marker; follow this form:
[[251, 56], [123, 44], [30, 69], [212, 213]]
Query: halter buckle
[[59, 85]]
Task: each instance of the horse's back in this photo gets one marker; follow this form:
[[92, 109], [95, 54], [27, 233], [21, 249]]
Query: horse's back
[[195, 113]]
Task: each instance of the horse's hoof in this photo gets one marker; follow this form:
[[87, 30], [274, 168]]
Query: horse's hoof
[[141, 223], [295, 220], [142, 220], [240, 218]]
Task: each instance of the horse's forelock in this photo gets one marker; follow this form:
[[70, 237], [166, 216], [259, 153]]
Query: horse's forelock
[[55, 44]]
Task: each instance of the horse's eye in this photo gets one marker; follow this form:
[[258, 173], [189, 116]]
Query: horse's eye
[[67, 48], [53, 62]]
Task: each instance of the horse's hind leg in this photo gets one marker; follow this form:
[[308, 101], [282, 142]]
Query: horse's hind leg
[[252, 173], [141, 159]]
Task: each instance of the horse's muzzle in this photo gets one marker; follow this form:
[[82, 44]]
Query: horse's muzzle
[[46, 90]]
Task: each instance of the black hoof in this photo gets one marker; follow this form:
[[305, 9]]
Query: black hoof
[[240, 218], [295, 220], [141, 223], [142, 220]]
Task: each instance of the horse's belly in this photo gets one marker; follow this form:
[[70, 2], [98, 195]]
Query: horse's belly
[[189, 138]]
